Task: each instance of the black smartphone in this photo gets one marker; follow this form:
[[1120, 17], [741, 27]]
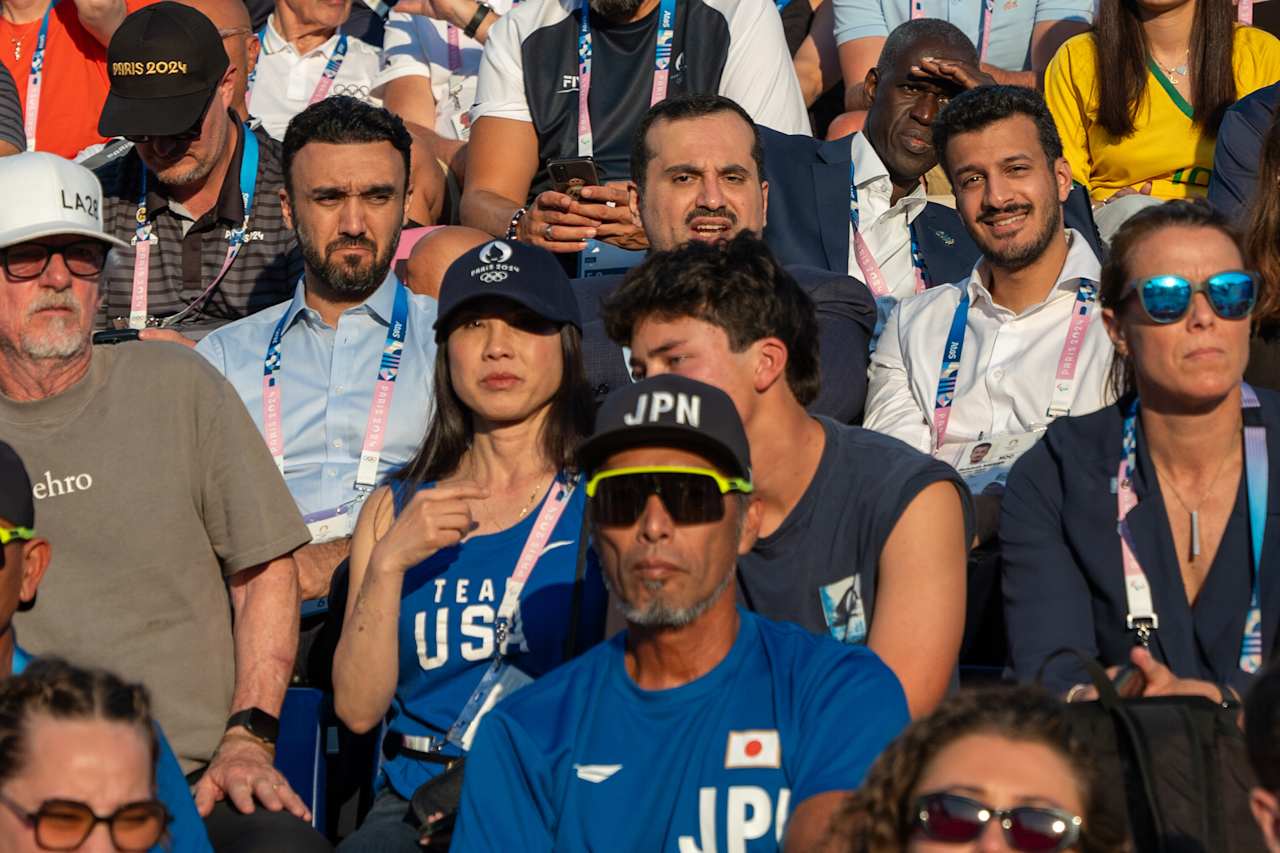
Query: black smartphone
[[115, 336], [570, 174]]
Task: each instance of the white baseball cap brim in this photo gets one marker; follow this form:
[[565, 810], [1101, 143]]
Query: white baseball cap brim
[[58, 228], [50, 196]]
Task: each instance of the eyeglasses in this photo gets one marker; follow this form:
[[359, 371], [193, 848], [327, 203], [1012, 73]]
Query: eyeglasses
[[65, 824], [189, 135], [1167, 298], [691, 495], [26, 261], [953, 819]]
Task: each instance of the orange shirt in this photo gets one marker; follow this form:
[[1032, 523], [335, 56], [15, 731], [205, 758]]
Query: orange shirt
[[74, 84]]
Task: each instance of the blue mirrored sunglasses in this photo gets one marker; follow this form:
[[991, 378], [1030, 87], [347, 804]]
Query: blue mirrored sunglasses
[[1167, 298]]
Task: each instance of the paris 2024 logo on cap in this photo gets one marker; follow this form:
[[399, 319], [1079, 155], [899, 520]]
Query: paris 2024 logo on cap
[[493, 263]]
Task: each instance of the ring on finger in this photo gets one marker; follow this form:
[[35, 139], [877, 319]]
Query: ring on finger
[[546, 233]]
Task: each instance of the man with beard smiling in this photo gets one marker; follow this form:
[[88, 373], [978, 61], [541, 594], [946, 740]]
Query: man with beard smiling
[[1019, 342], [599, 66], [349, 360], [198, 195]]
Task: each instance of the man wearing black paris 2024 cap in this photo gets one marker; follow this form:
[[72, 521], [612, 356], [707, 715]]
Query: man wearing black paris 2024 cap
[[701, 722], [197, 195]]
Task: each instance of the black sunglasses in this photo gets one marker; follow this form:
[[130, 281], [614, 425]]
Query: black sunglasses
[[690, 495], [189, 135], [954, 819], [65, 824], [26, 261]]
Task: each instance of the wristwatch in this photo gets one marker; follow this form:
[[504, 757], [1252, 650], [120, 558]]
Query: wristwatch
[[258, 722], [513, 229], [473, 27]]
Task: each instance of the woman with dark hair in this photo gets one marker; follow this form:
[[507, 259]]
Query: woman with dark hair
[[1181, 460], [77, 762], [1138, 101], [998, 763], [1262, 247], [463, 568]]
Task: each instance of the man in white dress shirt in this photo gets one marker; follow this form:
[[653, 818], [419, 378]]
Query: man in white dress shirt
[[994, 358], [305, 59]]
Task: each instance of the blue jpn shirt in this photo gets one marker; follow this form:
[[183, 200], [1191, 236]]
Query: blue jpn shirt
[[586, 760], [448, 606], [186, 832]]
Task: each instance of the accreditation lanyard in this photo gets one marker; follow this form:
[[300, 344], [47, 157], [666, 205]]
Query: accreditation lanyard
[[543, 526], [143, 238], [871, 272], [35, 80], [376, 428], [327, 76], [661, 67], [1064, 379], [984, 35], [1142, 616]]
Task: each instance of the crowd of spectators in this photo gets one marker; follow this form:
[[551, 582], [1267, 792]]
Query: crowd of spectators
[[814, 410]]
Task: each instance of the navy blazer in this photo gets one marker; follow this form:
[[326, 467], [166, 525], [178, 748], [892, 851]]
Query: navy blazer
[[1063, 573], [808, 220], [846, 319], [1238, 151]]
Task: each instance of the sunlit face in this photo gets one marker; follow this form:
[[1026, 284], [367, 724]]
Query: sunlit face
[[105, 765], [505, 362], [346, 203], [51, 316], [1201, 357], [1008, 195], [665, 574], [697, 349], [702, 182], [904, 105], [183, 162], [1000, 773], [320, 14]]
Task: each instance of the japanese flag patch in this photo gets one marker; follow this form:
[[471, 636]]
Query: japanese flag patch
[[759, 748]]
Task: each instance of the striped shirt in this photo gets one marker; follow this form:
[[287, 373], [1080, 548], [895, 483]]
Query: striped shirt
[[11, 129], [188, 255]]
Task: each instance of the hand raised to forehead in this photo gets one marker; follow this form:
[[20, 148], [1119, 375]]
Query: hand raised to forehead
[[966, 75]]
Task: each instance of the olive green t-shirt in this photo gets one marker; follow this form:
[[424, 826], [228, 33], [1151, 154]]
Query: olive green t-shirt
[[153, 486]]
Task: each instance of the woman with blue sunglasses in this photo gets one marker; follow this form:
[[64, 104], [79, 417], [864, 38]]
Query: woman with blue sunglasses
[[1138, 534]]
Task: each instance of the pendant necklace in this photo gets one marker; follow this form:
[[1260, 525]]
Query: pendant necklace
[[1195, 513], [1173, 72]]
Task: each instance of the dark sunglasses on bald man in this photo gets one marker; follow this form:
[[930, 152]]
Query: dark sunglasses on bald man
[[1167, 298], [66, 824], [690, 495]]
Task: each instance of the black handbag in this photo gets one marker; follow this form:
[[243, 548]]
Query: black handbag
[[1178, 763]]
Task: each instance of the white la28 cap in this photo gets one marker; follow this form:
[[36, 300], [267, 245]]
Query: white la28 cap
[[49, 196]]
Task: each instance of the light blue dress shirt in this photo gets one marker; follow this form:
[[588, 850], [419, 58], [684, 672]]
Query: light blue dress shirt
[[1011, 22], [326, 380]]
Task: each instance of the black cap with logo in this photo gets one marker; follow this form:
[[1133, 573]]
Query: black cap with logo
[[670, 410], [508, 269], [16, 503], [164, 63]]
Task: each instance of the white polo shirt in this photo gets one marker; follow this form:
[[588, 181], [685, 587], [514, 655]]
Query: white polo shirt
[[418, 46], [1007, 367], [285, 80]]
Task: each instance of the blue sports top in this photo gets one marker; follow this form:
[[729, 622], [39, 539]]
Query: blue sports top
[[586, 760]]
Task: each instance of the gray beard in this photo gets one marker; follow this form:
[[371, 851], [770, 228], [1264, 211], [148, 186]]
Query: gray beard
[[659, 614]]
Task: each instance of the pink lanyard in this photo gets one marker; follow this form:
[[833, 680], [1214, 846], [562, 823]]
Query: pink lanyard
[[1064, 380], [455, 48], [661, 67], [1244, 12], [988, 9]]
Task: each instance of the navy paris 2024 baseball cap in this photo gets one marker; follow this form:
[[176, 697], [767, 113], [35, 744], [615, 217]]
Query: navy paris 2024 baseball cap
[[507, 269]]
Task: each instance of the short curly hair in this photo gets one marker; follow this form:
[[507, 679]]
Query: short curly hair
[[879, 817]]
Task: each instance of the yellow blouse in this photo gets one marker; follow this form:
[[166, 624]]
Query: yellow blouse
[[1166, 147]]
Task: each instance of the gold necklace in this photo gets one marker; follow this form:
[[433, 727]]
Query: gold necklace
[[538, 489], [1174, 71]]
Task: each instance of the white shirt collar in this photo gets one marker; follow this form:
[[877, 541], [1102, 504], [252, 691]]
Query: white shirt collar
[[1081, 264], [869, 169]]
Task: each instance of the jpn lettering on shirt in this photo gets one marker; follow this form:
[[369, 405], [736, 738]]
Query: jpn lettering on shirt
[[843, 610]]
